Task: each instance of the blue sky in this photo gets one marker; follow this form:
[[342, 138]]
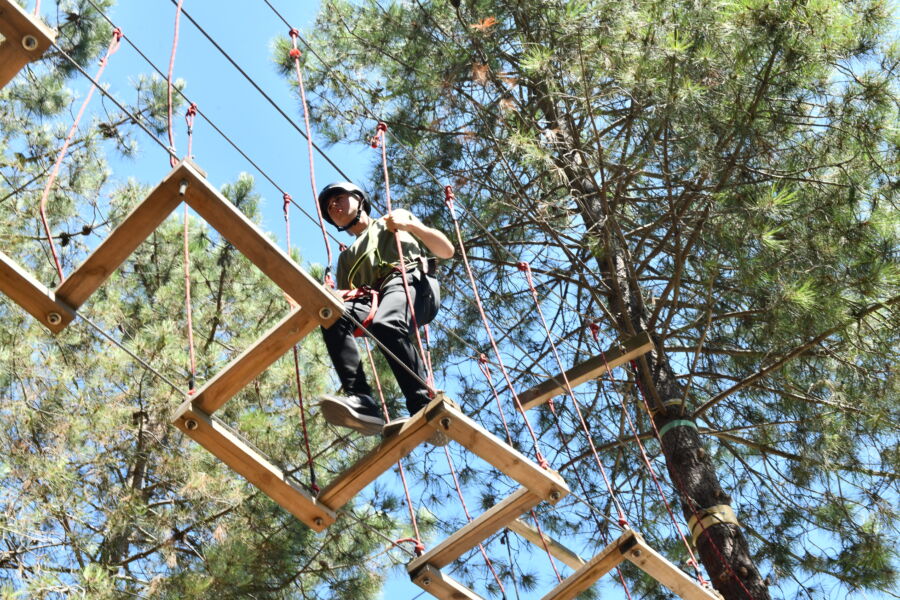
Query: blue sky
[[246, 30]]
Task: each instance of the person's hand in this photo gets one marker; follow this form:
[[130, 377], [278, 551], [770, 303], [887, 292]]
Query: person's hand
[[399, 220]]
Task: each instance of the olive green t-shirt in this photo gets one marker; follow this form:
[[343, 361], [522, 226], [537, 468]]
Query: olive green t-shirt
[[373, 255]]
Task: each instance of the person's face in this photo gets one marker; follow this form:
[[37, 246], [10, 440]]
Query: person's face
[[342, 208]]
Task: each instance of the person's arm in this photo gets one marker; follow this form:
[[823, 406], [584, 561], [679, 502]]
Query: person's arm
[[436, 242]]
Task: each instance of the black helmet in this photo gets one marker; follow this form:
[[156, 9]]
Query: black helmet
[[333, 189]]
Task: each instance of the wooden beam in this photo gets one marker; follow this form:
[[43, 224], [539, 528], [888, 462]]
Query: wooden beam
[[27, 38], [594, 569], [476, 531], [225, 218], [254, 360], [255, 467], [558, 550], [659, 568], [442, 586], [590, 369], [30, 294], [140, 223], [545, 483], [394, 447]]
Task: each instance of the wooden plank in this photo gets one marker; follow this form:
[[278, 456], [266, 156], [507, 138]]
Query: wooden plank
[[140, 223], [254, 360], [590, 369], [545, 483], [557, 550], [252, 243], [659, 568], [442, 586], [30, 294], [27, 38], [594, 569], [255, 467], [394, 447], [477, 530]]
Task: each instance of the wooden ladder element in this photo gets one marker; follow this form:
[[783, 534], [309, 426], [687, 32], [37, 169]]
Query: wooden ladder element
[[558, 550], [253, 361], [396, 445], [445, 415], [27, 292], [476, 531], [630, 546], [442, 586], [547, 484], [592, 368], [244, 235], [255, 467], [140, 223], [26, 39]]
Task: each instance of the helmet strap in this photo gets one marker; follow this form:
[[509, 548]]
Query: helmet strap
[[355, 219]]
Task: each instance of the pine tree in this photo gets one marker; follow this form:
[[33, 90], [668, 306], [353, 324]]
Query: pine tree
[[718, 174]]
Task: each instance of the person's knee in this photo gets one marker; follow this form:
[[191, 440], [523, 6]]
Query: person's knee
[[387, 330]]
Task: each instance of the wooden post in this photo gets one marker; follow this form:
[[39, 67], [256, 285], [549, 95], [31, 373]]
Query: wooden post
[[590, 369], [255, 467], [394, 447], [594, 569], [545, 483], [659, 568], [476, 531], [558, 550], [442, 586], [253, 361], [140, 223], [27, 38], [27, 292], [225, 218]]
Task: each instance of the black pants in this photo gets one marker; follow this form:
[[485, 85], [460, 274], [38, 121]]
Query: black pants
[[392, 327]]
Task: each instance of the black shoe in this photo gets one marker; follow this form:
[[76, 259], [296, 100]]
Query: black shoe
[[359, 413]]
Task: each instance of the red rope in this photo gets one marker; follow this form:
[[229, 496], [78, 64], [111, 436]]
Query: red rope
[[646, 459], [172, 160], [37, 7], [525, 268], [295, 54], [462, 501], [380, 135], [189, 120], [420, 547], [45, 195], [309, 457], [449, 200], [680, 486]]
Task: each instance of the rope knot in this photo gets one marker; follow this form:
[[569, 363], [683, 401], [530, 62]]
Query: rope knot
[[380, 129], [192, 110], [523, 266], [315, 489], [287, 201], [117, 33], [482, 359], [595, 331], [294, 33], [295, 53], [449, 197], [543, 462], [623, 522]]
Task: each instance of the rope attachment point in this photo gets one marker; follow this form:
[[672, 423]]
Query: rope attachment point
[[705, 518]]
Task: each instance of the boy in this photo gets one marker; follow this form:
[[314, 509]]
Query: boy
[[371, 266]]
